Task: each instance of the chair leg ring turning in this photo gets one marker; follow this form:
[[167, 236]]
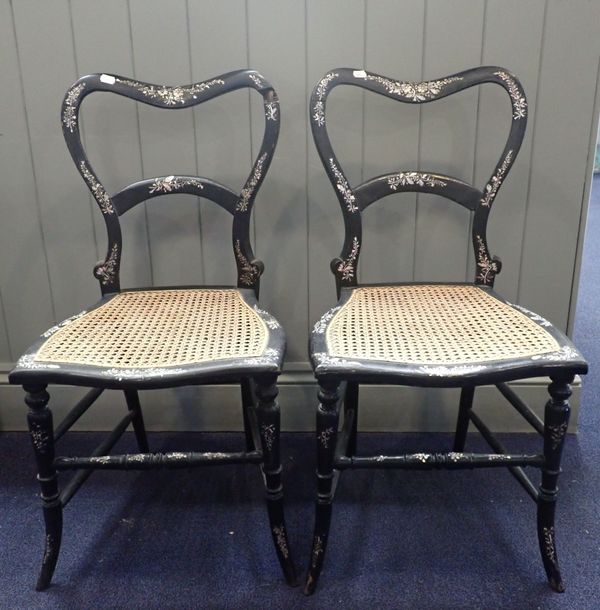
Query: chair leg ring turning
[[41, 431], [556, 421]]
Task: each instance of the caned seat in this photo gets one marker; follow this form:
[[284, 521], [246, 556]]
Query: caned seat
[[444, 332], [433, 335], [149, 338], [158, 337]]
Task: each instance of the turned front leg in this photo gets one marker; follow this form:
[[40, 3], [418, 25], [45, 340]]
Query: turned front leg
[[41, 431], [268, 417], [556, 421], [327, 427]]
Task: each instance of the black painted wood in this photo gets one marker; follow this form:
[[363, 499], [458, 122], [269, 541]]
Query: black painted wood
[[333, 371], [261, 418]]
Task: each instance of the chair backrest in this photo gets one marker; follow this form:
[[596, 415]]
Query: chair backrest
[[239, 205], [353, 200]]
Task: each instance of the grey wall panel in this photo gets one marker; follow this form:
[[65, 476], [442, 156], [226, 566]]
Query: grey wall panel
[[24, 282], [280, 211], [45, 44], [393, 47], [5, 350], [559, 163], [110, 126], [521, 56], [161, 54], [218, 44], [51, 233], [335, 37], [448, 130]]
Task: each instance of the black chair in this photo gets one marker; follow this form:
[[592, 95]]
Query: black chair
[[157, 338], [435, 335]]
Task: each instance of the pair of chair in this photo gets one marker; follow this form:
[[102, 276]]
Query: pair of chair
[[436, 335]]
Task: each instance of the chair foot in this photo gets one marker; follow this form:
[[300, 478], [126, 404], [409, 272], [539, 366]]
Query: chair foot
[[556, 421], [327, 426], [41, 431], [268, 417], [53, 522]]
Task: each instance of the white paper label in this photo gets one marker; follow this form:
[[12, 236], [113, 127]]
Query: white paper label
[[359, 74], [108, 79]]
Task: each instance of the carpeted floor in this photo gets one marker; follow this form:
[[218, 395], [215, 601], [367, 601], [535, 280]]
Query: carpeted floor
[[199, 538]]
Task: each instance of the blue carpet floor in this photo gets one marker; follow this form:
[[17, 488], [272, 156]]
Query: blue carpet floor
[[199, 538]]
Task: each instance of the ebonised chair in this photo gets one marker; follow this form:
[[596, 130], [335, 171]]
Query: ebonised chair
[[157, 338], [436, 335]]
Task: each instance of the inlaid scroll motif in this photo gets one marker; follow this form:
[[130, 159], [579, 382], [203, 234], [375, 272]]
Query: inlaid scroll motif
[[280, 537], [141, 373], [39, 437], [257, 80], [319, 107], [28, 362], [343, 187], [64, 323], [564, 353], [171, 96], [321, 324], [69, 117], [107, 270], [317, 550], [549, 545], [325, 436], [415, 92], [347, 267], [519, 102], [557, 434], [97, 189], [170, 184], [443, 371], [487, 268], [413, 178], [532, 315], [267, 318], [271, 111], [249, 273], [496, 182], [248, 190], [327, 360], [268, 433]]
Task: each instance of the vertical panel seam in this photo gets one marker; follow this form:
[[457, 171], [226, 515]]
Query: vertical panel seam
[[5, 322], [91, 200], [196, 159], [139, 125], [306, 173], [250, 130], [533, 143], [420, 130], [476, 135], [33, 172], [579, 246]]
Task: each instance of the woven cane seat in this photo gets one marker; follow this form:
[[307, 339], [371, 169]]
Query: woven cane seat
[[433, 327], [160, 328]]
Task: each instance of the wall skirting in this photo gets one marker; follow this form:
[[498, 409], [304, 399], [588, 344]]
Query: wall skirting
[[217, 408]]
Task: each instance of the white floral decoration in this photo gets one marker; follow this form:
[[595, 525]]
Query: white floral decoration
[[343, 187], [518, 100], [97, 189], [141, 373], [321, 324], [494, 184], [28, 362], [248, 190], [415, 92], [169, 184], [566, 352], [413, 178], [319, 107], [69, 117], [62, 324], [442, 371], [171, 96]]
